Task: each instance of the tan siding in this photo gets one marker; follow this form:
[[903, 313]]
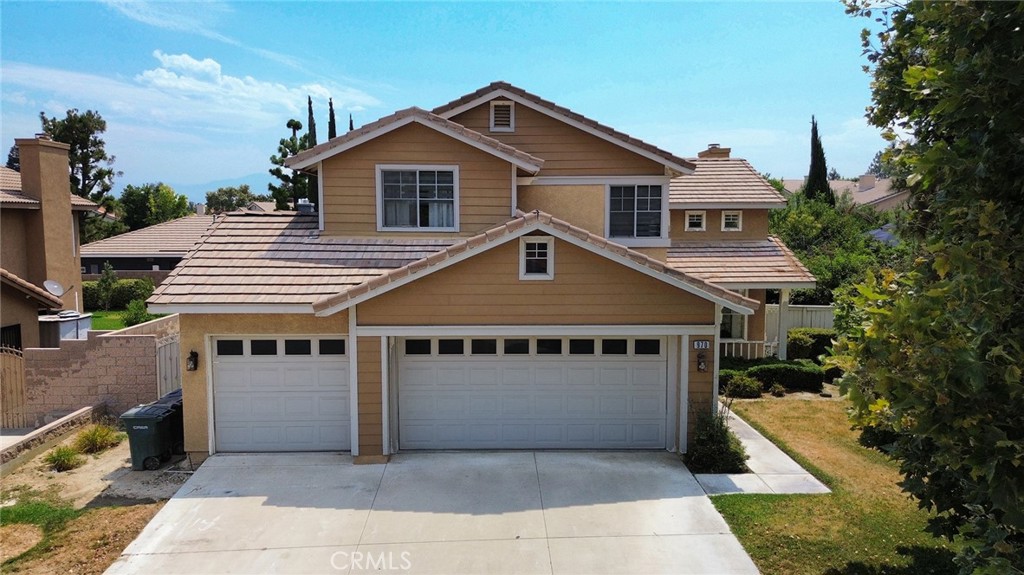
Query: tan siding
[[195, 328], [582, 206], [755, 323], [701, 385], [350, 188], [755, 226], [370, 401], [566, 151], [486, 290]]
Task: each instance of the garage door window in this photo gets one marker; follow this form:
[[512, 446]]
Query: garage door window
[[484, 347], [581, 347], [488, 348], [229, 347], [417, 347], [263, 347], [549, 347], [332, 347], [647, 347], [450, 347], [517, 346], [280, 347], [614, 347], [298, 347]]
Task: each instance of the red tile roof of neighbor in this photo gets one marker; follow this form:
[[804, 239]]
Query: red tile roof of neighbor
[[523, 159], [562, 111], [723, 181], [741, 263], [251, 258], [12, 195], [37, 293], [172, 238]]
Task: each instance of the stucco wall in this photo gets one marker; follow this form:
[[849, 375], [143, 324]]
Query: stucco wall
[[582, 206], [13, 251], [16, 309], [195, 328]]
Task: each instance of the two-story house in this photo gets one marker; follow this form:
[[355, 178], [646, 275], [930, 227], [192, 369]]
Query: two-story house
[[497, 273]]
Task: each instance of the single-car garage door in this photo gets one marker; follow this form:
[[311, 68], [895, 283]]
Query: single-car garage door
[[532, 393], [281, 394]]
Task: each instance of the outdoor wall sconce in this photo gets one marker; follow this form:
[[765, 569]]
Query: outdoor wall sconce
[[702, 361], [192, 363]]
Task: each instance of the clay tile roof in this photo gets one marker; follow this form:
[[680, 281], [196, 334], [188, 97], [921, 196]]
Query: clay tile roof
[[435, 120], [172, 238], [10, 180], [500, 232], [279, 258], [11, 193], [37, 293], [764, 262], [723, 181], [563, 111]]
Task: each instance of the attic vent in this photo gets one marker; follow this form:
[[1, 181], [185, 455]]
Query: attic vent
[[503, 116]]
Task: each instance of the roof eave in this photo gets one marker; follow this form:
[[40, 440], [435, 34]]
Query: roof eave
[[675, 205]]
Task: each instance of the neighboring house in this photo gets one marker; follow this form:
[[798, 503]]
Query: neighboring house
[[868, 190], [498, 273], [39, 233], [148, 252], [262, 207]]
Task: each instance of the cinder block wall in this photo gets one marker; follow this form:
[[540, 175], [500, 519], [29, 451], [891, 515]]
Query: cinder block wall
[[117, 368]]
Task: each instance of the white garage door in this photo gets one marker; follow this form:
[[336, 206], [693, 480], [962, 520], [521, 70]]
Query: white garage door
[[281, 394], [532, 393]]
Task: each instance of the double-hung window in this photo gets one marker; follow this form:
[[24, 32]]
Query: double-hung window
[[418, 198], [635, 211]]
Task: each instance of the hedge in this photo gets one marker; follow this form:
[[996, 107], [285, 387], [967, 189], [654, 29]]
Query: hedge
[[809, 342], [725, 377], [124, 292], [744, 387], [792, 376]]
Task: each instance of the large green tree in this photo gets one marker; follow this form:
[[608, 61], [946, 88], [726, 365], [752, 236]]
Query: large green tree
[[934, 356], [229, 199], [150, 204], [14, 158], [817, 186], [91, 173], [292, 186]]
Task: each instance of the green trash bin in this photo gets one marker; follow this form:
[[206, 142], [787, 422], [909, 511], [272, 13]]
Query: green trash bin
[[150, 437]]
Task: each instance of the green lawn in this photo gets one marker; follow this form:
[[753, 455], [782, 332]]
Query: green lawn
[[866, 526], [107, 320]]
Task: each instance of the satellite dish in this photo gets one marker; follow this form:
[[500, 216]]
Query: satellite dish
[[54, 287]]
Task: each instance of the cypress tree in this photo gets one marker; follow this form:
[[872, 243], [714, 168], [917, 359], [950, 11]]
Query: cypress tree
[[332, 127], [351, 126], [312, 123], [817, 186]]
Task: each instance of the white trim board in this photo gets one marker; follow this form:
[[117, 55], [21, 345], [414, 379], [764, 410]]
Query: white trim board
[[592, 180], [531, 227], [501, 93], [317, 158]]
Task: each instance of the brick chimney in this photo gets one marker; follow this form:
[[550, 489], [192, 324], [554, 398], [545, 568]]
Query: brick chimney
[[714, 151], [51, 231], [866, 182]]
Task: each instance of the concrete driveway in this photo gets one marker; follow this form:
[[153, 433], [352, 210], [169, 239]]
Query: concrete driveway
[[483, 512]]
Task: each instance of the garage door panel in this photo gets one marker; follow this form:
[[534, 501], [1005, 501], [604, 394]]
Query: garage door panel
[[289, 403]]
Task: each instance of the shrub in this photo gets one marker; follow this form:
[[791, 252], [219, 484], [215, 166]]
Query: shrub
[[715, 448], [136, 313], [90, 296], [64, 458], [809, 342], [725, 377], [743, 364], [792, 376], [777, 390], [97, 438], [105, 287], [122, 294], [743, 386]]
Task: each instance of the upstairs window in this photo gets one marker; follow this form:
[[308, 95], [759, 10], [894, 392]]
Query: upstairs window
[[503, 116], [635, 212], [695, 221], [732, 221], [417, 198], [536, 258]]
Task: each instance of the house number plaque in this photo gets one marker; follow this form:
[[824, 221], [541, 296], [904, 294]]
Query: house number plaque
[[701, 344]]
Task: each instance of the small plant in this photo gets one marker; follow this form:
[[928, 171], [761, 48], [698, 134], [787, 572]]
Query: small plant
[[777, 390], [715, 448], [136, 313], [97, 438], [744, 387], [64, 458]]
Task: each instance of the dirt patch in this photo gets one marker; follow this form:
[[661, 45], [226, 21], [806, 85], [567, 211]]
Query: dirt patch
[[17, 539], [105, 476], [90, 543]]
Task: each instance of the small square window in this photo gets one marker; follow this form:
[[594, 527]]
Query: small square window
[[647, 347], [332, 347], [536, 258], [417, 347], [732, 221], [581, 347], [229, 347], [263, 347], [484, 347], [695, 221], [613, 347], [451, 346], [549, 347], [517, 346], [298, 347]]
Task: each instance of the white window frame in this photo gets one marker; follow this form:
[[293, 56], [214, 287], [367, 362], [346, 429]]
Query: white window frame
[[738, 214], [454, 168], [634, 242], [512, 116], [746, 322], [550, 241], [703, 220]]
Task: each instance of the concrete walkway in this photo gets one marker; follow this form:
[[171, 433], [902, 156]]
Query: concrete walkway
[[772, 471]]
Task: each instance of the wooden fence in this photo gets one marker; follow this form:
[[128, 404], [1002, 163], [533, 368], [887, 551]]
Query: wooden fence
[[12, 388]]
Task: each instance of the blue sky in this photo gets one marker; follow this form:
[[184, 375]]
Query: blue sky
[[200, 93]]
